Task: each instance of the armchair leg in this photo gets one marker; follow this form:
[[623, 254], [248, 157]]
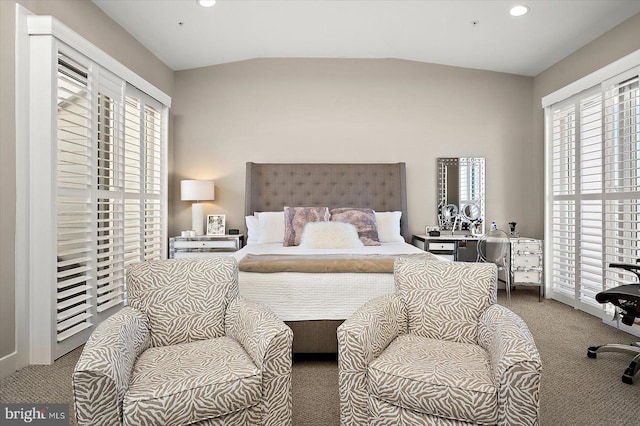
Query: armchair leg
[[633, 348]]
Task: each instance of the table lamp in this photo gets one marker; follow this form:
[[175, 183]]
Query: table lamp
[[197, 190]]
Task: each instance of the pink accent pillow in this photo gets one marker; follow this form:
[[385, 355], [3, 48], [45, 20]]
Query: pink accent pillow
[[363, 219], [295, 218]]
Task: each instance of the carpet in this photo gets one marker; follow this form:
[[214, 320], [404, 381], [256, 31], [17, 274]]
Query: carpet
[[575, 390]]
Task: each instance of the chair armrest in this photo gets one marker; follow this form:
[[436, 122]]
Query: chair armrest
[[515, 363], [361, 338], [261, 333], [268, 341], [101, 376]]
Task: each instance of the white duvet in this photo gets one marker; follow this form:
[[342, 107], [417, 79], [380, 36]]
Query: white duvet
[[298, 296]]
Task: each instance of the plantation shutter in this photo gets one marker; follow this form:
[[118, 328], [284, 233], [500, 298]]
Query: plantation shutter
[[563, 209], [622, 173], [110, 197], [92, 186], [144, 173], [153, 167], [74, 168], [593, 184], [110, 284], [589, 202]]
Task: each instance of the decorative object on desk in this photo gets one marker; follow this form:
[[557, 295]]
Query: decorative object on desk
[[512, 229], [215, 224], [432, 231], [471, 214], [476, 227], [197, 190], [234, 231]]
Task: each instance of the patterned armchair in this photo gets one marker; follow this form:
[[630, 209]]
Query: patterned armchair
[[187, 350], [439, 352]]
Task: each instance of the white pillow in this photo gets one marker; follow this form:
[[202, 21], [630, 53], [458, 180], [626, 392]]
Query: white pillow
[[327, 235], [270, 227], [389, 227], [253, 229]]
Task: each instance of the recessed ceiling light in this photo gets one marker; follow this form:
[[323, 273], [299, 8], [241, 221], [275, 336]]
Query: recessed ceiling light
[[519, 10], [206, 3]]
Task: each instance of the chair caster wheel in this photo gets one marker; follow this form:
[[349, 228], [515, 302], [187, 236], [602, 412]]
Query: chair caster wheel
[[591, 352], [627, 377]]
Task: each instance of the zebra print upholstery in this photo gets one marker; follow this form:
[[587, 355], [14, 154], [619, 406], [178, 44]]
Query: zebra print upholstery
[[438, 352], [187, 350]]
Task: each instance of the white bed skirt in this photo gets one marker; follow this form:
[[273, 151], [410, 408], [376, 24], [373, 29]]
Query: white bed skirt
[[297, 296]]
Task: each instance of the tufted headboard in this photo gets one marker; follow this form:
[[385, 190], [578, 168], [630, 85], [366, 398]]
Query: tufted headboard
[[382, 187]]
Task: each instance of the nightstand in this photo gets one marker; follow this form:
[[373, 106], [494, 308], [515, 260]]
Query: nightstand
[[525, 263], [204, 246]]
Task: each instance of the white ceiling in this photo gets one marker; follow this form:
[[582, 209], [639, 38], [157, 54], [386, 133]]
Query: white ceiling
[[185, 35]]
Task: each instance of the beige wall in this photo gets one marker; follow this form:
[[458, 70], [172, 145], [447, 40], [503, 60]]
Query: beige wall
[[613, 45], [354, 110], [90, 22]]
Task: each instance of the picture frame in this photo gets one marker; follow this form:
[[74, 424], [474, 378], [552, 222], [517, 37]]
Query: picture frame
[[215, 224]]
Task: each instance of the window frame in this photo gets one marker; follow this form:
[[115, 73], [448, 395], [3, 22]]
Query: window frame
[[44, 36], [589, 184]]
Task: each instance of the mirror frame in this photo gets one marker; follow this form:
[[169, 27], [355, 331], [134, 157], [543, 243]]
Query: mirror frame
[[473, 170]]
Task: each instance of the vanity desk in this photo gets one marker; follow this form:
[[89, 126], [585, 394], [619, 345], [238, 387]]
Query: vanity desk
[[524, 257], [457, 247]]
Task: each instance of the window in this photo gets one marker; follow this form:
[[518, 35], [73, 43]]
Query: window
[[593, 188], [97, 189], [108, 191]]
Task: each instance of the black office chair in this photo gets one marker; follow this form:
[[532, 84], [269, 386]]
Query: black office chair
[[627, 299]]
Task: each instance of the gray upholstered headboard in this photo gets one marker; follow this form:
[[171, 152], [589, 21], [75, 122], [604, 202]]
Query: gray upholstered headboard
[[382, 187]]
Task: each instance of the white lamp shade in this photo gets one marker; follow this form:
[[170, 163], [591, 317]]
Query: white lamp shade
[[197, 190]]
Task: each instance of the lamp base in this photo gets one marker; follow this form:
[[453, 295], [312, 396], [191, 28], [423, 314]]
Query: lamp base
[[197, 218]]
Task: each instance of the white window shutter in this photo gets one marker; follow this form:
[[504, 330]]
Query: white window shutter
[[109, 202], [153, 172], [110, 146], [594, 191], [94, 186], [622, 174], [74, 201]]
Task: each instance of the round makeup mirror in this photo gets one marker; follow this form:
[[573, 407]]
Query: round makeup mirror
[[471, 212], [450, 211]]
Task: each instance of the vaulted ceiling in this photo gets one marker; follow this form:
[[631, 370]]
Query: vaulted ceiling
[[474, 33]]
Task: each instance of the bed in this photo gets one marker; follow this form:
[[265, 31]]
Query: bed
[[315, 304]]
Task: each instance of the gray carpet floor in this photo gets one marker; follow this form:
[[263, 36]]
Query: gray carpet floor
[[575, 390]]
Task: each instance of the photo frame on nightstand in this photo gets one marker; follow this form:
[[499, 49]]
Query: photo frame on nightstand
[[215, 224]]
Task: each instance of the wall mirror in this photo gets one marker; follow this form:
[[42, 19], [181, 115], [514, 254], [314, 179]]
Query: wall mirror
[[461, 195]]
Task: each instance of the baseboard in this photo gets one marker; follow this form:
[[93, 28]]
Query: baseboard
[[631, 329], [8, 365]]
